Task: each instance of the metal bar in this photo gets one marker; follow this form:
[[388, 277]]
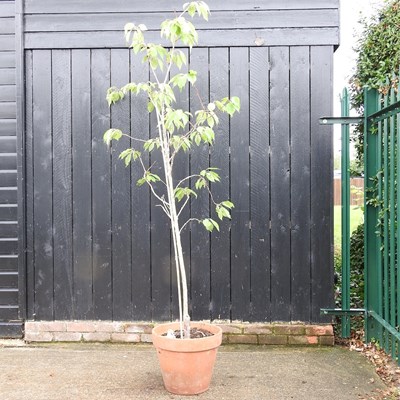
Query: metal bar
[[342, 312], [384, 324], [392, 221], [385, 177], [385, 112], [398, 209], [371, 243], [345, 174], [341, 120], [379, 228]]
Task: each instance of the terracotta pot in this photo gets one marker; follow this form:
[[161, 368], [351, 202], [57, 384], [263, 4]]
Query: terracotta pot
[[186, 364]]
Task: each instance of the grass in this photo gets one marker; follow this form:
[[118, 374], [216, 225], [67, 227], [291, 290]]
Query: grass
[[356, 217]]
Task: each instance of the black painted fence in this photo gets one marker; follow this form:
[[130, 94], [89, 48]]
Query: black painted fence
[[96, 248]]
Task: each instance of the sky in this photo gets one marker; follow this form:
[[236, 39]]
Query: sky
[[345, 58]]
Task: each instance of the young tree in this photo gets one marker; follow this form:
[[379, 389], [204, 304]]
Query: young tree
[[178, 130]]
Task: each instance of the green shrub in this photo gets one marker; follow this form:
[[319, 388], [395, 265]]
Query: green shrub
[[356, 270]]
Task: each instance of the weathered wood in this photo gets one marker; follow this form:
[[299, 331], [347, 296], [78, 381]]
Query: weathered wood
[[29, 186], [121, 195], [118, 262], [7, 144], [7, 42], [7, 127], [8, 263], [8, 110], [9, 280], [300, 183], [8, 296], [7, 59], [8, 195], [140, 225], [7, 25], [82, 184], [8, 212], [93, 6], [8, 161], [8, 178], [219, 158], [11, 330], [7, 9], [321, 184], [62, 185], [280, 184], [240, 181], [216, 38], [43, 190], [7, 93], [9, 313], [259, 184], [7, 76], [101, 186], [8, 229], [199, 160], [228, 20]]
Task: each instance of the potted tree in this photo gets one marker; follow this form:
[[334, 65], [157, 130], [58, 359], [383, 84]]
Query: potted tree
[[186, 350]]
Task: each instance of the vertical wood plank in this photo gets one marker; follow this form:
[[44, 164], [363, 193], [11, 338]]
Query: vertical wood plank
[[30, 275], [259, 184], [101, 187], [43, 194], [82, 184], [62, 185], [181, 170], [300, 183], [200, 238], [321, 183], [240, 173], [160, 240], [121, 194], [280, 184], [220, 241], [141, 277]]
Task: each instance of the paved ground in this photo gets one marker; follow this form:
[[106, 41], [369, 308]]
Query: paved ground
[[97, 372]]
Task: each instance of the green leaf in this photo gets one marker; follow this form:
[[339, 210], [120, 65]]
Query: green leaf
[[112, 134], [222, 212], [140, 182], [200, 183], [228, 204], [192, 76], [236, 102], [126, 155], [210, 224]]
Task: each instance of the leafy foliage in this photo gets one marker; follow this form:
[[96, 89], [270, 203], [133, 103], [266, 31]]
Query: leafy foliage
[[356, 269], [378, 58], [177, 130]]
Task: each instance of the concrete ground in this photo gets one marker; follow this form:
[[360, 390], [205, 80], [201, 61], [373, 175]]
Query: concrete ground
[[101, 371]]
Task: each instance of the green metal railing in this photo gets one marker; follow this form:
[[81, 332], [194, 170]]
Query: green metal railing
[[345, 216], [382, 217], [381, 221]]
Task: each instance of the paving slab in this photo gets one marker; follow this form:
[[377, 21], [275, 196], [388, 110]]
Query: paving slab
[[102, 371]]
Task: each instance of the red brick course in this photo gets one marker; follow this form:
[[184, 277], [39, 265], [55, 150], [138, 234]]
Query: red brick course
[[136, 332]]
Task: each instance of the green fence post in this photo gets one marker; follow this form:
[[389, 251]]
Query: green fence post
[[345, 175], [372, 251]]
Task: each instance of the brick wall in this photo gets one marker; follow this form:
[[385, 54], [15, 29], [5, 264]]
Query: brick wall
[[140, 332]]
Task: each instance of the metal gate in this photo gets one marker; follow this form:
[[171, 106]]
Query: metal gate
[[382, 216]]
